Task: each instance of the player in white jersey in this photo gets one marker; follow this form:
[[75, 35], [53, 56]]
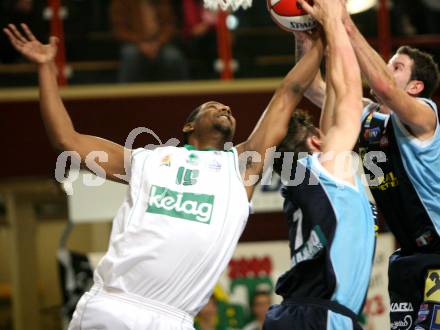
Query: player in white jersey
[[185, 208]]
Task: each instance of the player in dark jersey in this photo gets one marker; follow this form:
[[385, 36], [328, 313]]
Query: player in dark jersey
[[408, 194], [400, 135], [331, 225]]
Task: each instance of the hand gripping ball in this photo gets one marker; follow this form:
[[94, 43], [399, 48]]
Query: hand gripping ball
[[289, 15]]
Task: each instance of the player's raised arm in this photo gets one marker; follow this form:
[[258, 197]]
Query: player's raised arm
[[344, 77], [316, 90], [273, 124], [400, 95], [59, 127], [320, 92]]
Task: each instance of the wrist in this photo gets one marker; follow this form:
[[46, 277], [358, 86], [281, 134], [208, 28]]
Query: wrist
[[330, 23], [49, 67], [349, 25], [47, 64]]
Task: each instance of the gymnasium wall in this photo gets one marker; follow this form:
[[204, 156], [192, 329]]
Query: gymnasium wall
[[111, 112]]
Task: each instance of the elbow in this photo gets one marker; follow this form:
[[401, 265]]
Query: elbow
[[292, 88], [59, 145], [64, 142]]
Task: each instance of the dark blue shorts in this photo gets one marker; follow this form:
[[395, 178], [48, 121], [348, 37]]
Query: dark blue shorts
[[414, 288], [310, 314]]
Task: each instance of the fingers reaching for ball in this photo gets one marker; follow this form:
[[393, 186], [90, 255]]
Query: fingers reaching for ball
[[324, 10]]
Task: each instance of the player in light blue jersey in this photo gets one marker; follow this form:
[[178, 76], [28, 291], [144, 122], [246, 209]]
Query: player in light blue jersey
[[402, 128], [330, 220]]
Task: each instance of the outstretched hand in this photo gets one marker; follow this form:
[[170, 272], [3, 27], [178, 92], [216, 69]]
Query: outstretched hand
[[323, 10], [29, 46]]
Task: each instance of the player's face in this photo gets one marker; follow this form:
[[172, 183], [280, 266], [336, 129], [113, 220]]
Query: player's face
[[261, 305], [401, 67], [217, 115], [209, 311]]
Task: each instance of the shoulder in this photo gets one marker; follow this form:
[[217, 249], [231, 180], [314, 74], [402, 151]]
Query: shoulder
[[428, 102], [146, 152]]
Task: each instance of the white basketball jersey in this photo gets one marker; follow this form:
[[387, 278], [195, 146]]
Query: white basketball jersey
[[178, 226]]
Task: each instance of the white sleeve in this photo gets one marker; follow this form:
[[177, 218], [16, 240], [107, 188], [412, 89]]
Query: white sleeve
[[138, 157]]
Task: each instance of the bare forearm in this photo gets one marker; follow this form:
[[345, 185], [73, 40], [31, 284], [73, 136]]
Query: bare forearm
[[315, 93], [344, 72], [316, 90], [372, 65], [305, 71], [327, 118], [273, 124], [291, 90], [58, 125]]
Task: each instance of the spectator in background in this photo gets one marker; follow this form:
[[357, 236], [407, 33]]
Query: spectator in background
[[199, 34], [146, 29], [207, 318], [260, 305]]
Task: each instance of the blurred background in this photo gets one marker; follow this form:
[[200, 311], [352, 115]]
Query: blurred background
[[101, 38], [147, 63]]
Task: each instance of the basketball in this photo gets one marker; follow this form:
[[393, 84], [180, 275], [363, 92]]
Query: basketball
[[289, 15]]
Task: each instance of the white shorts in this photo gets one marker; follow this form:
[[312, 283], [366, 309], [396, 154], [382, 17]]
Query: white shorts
[[102, 309]]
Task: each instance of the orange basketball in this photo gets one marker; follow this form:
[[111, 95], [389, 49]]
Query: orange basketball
[[289, 15]]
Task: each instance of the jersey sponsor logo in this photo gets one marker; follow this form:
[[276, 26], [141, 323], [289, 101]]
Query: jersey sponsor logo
[[388, 181], [423, 312], [311, 247], [432, 286], [215, 165], [435, 322], [402, 307], [425, 238], [166, 161], [372, 135], [405, 324], [384, 142], [193, 159], [181, 205]]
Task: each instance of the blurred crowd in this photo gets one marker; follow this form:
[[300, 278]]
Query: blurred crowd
[[210, 316], [156, 40]]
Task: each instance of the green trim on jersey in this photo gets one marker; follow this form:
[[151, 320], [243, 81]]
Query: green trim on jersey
[[191, 147]]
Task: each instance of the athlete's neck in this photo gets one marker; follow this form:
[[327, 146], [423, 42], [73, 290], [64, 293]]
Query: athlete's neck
[[206, 145]]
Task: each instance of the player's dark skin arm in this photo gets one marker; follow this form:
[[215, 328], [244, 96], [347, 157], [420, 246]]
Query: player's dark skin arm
[[58, 124], [273, 124]]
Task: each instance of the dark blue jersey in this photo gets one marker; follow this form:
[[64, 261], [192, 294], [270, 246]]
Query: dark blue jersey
[[331, 234], [409, 192]]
